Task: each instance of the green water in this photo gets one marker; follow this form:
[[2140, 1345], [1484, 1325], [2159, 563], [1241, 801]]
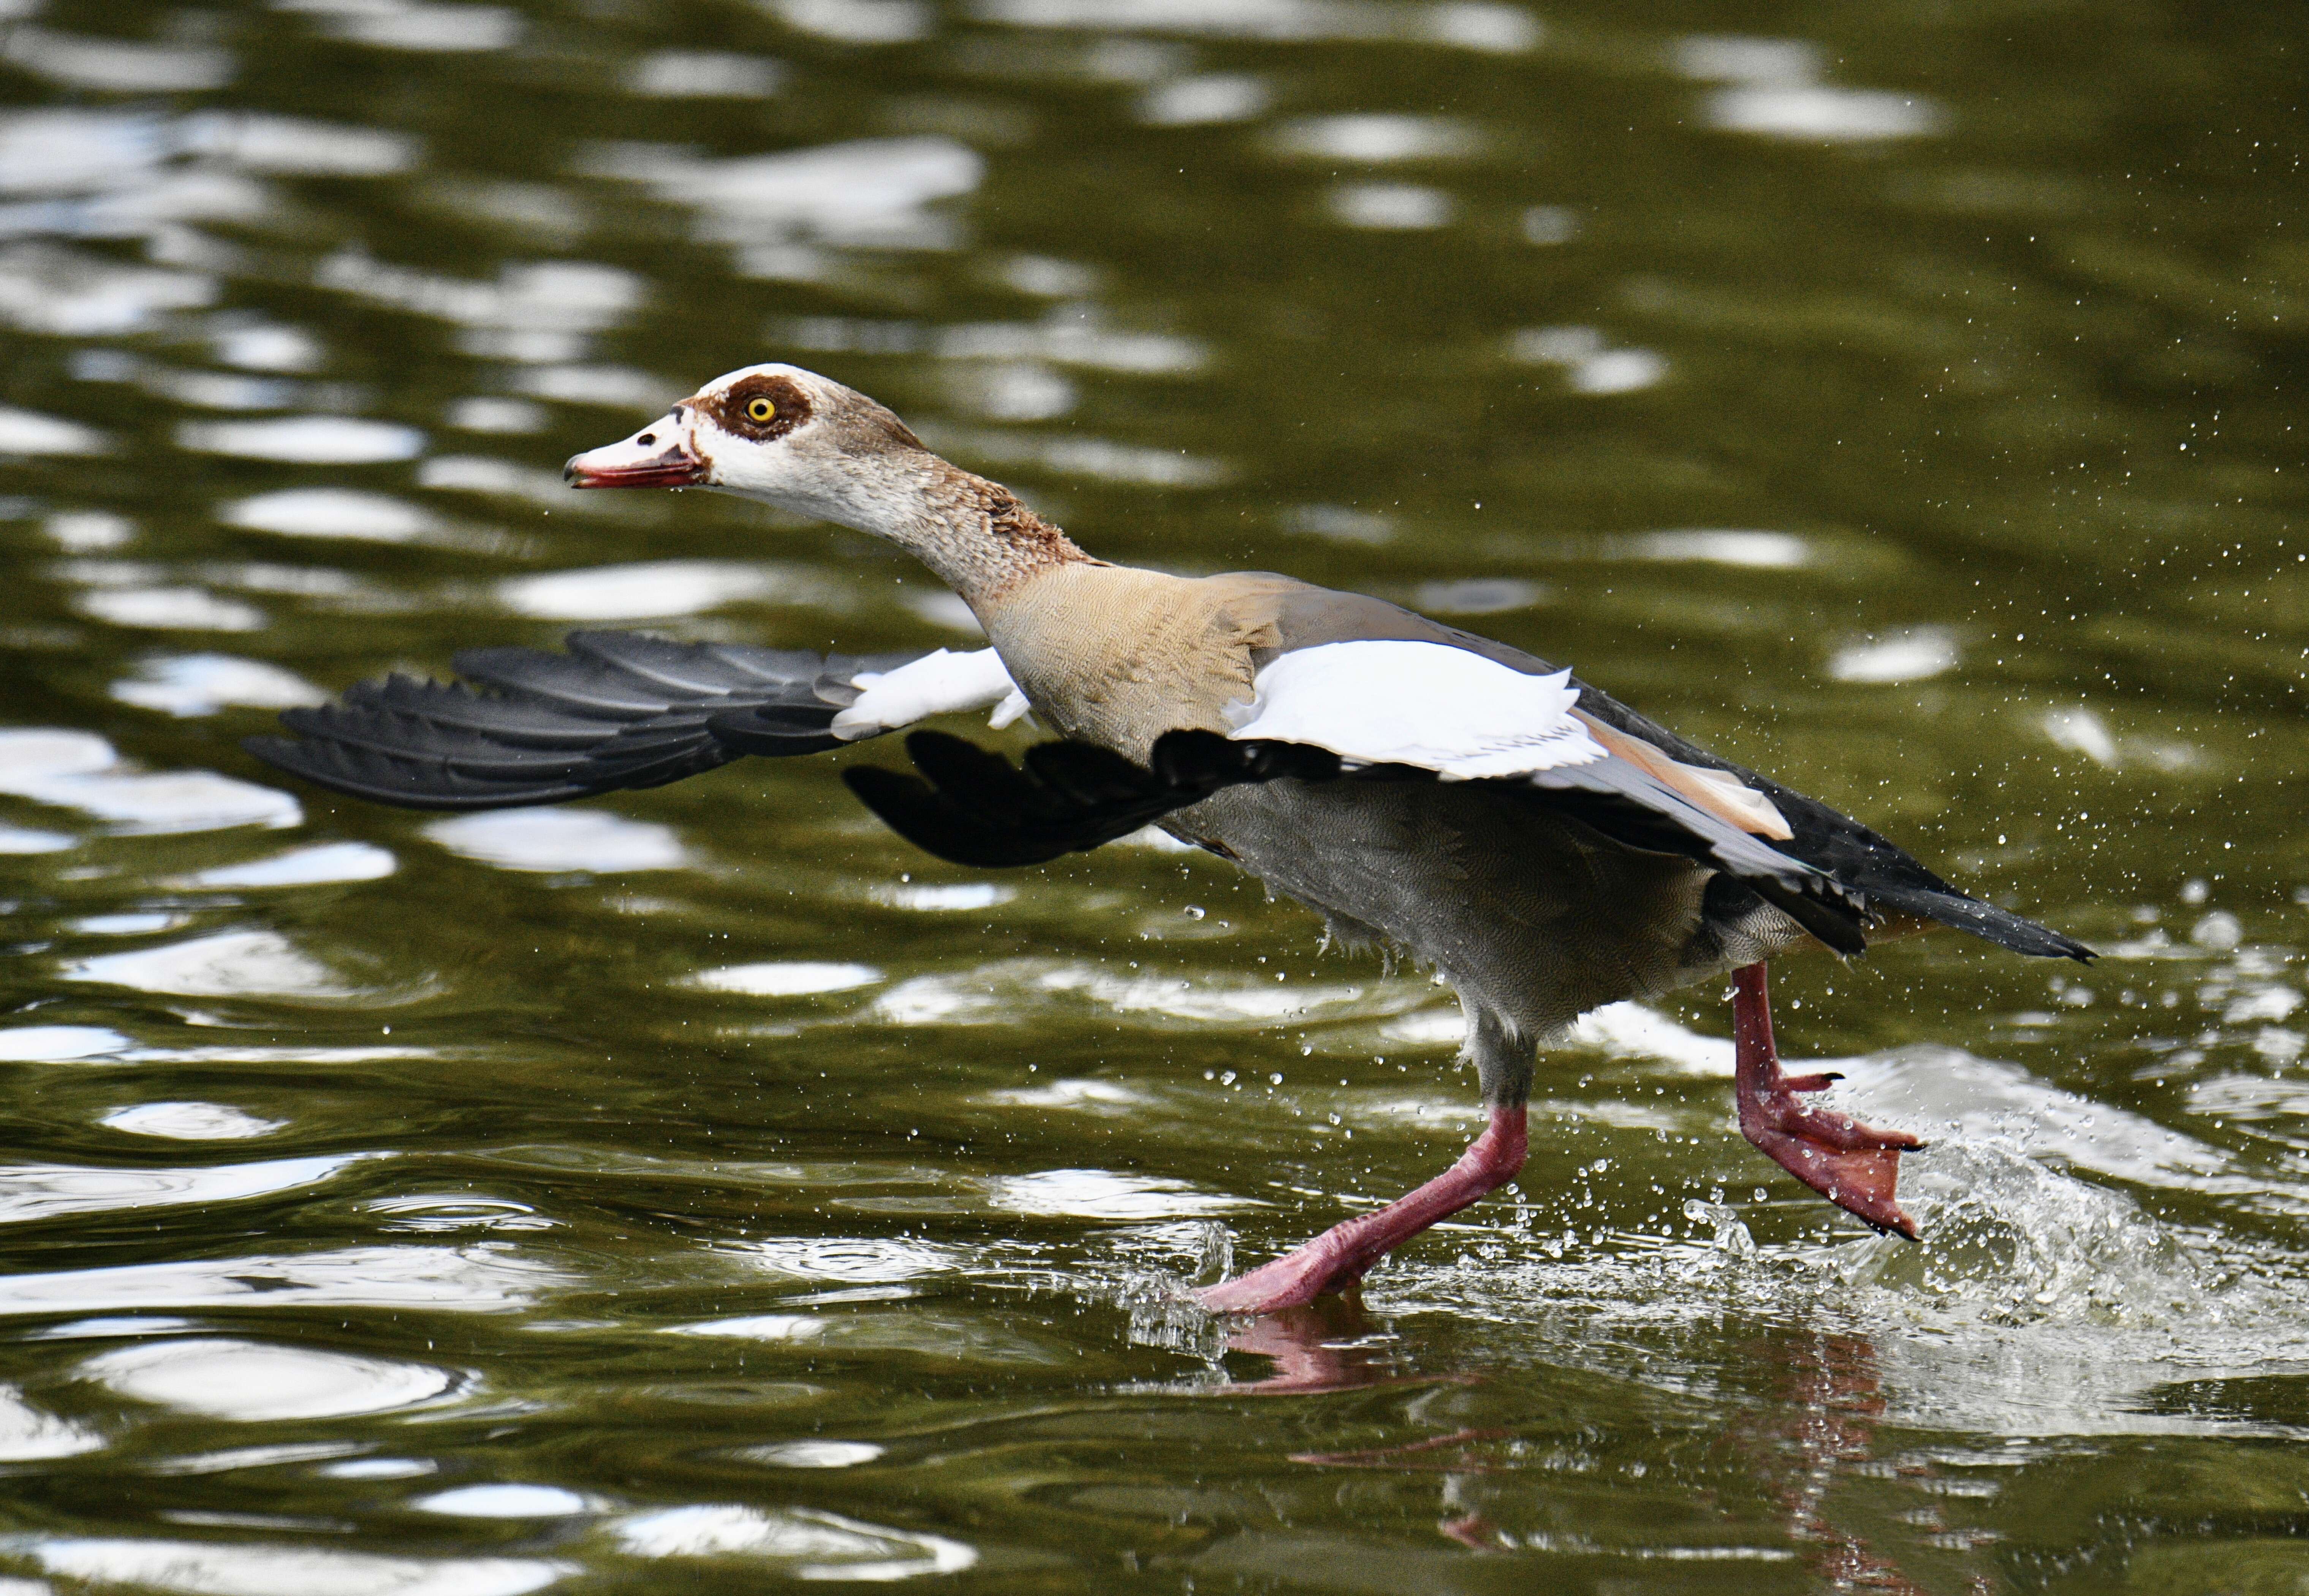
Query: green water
[[1903, 401]]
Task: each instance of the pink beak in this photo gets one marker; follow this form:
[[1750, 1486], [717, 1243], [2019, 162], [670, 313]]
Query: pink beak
[[657, 456]]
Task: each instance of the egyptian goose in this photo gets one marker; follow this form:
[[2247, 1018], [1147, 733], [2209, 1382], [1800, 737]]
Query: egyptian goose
[[1545, 847]]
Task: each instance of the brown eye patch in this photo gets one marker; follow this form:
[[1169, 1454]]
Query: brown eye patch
[[760, 407]]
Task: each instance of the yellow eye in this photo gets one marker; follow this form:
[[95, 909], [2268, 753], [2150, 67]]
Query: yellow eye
[[761, 410]]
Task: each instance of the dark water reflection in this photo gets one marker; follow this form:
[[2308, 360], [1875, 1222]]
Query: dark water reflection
[[702, 1191]]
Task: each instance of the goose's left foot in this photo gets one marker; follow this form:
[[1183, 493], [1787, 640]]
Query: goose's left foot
[[1343, 1255], [1854, 1166]]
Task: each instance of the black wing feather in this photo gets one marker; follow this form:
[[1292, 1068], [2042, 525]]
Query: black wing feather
[[619, 710], [971, 807], [976, 809]]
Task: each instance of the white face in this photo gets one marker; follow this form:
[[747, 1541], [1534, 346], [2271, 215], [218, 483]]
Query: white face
[[738, 433], [776, 433]]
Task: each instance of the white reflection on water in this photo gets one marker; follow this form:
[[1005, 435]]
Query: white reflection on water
[[79, 770], [860, 1258], [1084, 1095], [17, 840], [858, 21], [793, 980], [254, 1382], [331, 512], [261, 142], [811, 1454], [190, 1122], [815, 1544], [1197, 101], [704, 74], [942, 608], [1914, 655], [1070, 454], [224, 964], [616, 387], [1340, 523], [1774, 91], [1103, 1194], [81, 531], [560, 839], [1377, 139], [485, 1277], [197, 684], [117, 65], [867, 193], [26, 1433], [1467, 24], [1589, 365], [483, 473], [131, 922], [28, 432], [60, 151], [346, 440], [267, 346], [1390, 207], [1012, 989], [45, 287], [380, 1467], [1764, 550], [1224, 999], [757, 1327], [170, 610], [1630, 1031], [233, 1458], [1815, 111], [484, 412], [209, 1568], [1012, 391], [435, 1212], [52, 1190], [414, 24], [1067, 336], [652, 590], [535, 310], [55, 1044], [942, 897], [304, 867], [505, 1501], [2082, 732]]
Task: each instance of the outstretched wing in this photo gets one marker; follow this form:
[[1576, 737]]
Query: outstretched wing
[[618, 710], [1391, 710]]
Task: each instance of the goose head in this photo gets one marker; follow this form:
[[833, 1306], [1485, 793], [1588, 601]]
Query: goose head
[[776, 433]]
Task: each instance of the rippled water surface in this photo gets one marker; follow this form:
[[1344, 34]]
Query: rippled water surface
[[699, 1190]]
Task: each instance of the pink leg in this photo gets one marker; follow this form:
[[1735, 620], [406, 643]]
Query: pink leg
[[1343, 1254], [1852, 1165]]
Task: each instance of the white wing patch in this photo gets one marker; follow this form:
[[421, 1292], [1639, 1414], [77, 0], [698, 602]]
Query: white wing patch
[[1424, 704], [935, 684]]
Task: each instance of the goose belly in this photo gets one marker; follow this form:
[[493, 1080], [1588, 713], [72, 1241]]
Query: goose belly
[[1535, 918]]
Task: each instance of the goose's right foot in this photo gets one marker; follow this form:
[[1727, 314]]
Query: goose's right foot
[[1854, 1166]]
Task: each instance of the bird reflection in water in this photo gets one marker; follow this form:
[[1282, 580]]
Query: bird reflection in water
[[1817, 1431], [1328, 1345], [1821, 1432]]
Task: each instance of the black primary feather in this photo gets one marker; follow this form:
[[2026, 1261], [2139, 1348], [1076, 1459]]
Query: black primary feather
[[974, 808], [619, 710]]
